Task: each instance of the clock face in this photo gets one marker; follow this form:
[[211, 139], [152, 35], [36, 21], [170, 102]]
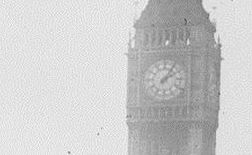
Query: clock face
[[164, 80]]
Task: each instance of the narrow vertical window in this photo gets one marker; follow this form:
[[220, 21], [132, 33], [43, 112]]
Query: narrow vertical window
[[184, 111], [187, 36], [153, 37], [146, 39], [167, 37], [162, 113], [181, 34], [174, 37], [149, 113], [155, 113], [177, 112], [169, 112], [142, 113], [160, 37], [144, 147]]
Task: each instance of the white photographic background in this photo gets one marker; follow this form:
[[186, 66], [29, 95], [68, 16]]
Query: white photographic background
[[63, 76]]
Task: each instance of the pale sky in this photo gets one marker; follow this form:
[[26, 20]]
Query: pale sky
[[63, 76]]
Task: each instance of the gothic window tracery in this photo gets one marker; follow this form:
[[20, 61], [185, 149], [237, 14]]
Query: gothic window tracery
[[157, 37]]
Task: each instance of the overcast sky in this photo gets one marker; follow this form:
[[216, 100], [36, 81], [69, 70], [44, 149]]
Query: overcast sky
[[63, 76]]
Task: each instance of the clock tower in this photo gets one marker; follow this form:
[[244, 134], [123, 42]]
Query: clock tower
[[173, 84]]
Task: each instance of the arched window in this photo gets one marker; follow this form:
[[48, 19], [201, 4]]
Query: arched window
[[187, 36], [167, 37]]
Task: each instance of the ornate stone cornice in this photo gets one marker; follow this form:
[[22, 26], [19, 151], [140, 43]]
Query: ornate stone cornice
[[172, 51], [211, 125], [172, 113]]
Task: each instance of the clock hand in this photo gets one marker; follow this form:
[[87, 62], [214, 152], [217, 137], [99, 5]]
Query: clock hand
[[168, 75], [164, 79]]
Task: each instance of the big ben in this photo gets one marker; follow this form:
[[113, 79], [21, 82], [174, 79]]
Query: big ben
[[173, 85]]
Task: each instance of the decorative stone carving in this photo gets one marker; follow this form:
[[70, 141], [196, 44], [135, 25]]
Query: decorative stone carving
[[134, 142], [163, 113], [198, 96], [195, 112], [164, 150], [143, 147], [195, 141]]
